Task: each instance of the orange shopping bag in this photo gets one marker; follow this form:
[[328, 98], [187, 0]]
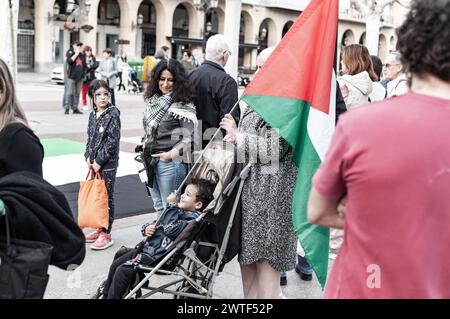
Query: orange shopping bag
[[93, 202]]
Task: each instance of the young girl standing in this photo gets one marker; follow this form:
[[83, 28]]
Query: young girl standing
[[102, 152]]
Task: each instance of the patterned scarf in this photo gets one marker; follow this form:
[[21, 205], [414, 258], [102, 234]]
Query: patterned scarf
[[157, 107]]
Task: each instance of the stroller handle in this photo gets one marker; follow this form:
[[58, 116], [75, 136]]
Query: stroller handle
[[203, 151]]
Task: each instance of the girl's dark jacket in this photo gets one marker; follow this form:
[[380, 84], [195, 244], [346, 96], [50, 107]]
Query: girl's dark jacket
[[103, 141]]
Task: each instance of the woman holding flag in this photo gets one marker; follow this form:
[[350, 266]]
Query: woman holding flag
[[268, 242]]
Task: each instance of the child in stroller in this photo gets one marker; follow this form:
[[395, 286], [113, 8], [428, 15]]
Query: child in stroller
[[196, 197], [134, 85]]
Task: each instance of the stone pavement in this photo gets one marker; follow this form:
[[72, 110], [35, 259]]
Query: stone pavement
[[42, 103], [82, 283]]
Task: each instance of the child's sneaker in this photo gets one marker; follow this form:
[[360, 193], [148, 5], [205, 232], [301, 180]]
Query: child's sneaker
[[103, 241], [92, 236]]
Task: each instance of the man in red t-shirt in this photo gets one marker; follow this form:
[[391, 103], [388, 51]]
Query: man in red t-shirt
[[391, 162]]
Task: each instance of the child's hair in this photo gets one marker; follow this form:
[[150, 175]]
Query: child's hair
[[205, 190], [95, 85]]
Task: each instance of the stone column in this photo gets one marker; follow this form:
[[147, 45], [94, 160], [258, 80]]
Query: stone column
[[90, 38], [43, 37], [9, 54], [164, 23], [232, 14], [128, 16]]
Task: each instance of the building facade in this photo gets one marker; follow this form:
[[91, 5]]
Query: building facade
[[46, 28]]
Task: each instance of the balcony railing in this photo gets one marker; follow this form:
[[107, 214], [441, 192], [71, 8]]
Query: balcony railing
[[351, 14]]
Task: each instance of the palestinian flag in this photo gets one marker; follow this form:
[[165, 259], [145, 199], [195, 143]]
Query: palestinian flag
[[295, 92], [64, 167]]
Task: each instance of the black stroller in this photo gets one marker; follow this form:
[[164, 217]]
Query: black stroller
[[199, 253]]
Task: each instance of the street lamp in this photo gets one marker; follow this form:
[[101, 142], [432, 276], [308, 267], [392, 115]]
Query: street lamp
[[70, 5], [204, 5], [87, 6], [140, 21], [56, 9]]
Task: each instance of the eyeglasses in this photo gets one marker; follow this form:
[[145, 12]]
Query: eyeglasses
[[101, 95], [387, 65], [229, 52]]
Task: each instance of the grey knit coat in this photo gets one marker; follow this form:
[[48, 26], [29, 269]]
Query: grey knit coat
[[267, 229]]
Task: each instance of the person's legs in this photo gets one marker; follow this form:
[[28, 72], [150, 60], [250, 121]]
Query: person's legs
[[70, 95], [123, 278], [283, 278], [113, 97], [64, 96], [303, 268], [169, 176], [249, 284], [156, 196], [112, 269], [119, 75], [84, 93], [104, 239], [78, 86], [268, 281], [109, 176]]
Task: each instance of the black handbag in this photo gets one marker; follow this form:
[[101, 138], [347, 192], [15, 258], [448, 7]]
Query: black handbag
[[23, 266]]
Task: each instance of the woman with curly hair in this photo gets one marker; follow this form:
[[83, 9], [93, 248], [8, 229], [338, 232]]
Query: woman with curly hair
[[169, 122], [392, 162]]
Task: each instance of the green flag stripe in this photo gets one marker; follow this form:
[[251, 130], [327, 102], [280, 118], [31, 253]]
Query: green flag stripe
[[287, 115], [61, 146], [314, 239], [290, 116]]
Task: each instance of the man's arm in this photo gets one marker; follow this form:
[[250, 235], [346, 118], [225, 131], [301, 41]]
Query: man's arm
[[323, 211], [71, 57]]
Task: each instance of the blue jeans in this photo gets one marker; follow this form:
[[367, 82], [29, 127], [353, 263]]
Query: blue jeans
[[168, 177], [65, 96]]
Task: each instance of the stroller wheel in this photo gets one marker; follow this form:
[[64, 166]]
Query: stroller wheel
[[99, 292]]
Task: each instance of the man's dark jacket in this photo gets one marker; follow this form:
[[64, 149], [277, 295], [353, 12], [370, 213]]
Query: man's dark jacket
[[216, 93], [76, 69], [38, 211]]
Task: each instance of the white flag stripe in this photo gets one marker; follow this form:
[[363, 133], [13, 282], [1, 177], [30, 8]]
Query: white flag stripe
[[133, 140], [321, 126], [65, 169]]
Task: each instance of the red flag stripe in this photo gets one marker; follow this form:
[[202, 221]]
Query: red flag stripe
[[300, 67]]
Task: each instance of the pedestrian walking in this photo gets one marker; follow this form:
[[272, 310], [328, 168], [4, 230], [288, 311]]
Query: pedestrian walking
[[102, 152], [122, 71], [396, 215], [108, 72]]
